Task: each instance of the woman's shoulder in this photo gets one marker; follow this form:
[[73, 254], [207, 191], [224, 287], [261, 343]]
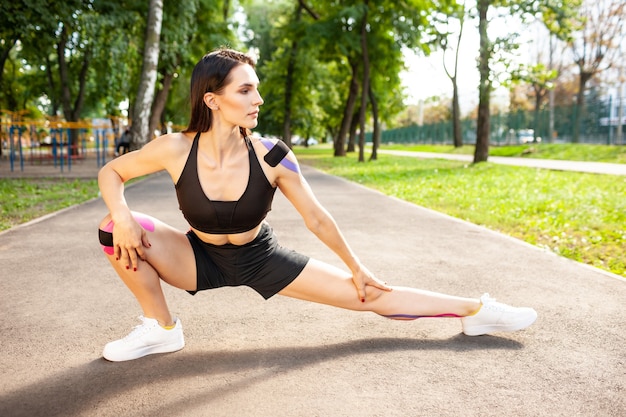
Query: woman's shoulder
[[268, 142], [176, 137], [172, 141], [275, 152]]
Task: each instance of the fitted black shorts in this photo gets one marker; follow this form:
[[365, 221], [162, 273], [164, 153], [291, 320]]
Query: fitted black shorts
[[262, 264]]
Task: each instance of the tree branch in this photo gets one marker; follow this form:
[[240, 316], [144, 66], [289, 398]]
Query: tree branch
[[310, 11]]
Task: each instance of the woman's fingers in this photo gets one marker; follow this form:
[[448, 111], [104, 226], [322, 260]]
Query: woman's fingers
[[379, 284]]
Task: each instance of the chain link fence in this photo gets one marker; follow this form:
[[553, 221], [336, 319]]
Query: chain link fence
[[602, 122]]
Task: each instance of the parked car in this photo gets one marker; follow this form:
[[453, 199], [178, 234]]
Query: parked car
[[527, 136]]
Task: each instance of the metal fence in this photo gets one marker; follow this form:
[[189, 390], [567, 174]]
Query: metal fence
[[599, 124]]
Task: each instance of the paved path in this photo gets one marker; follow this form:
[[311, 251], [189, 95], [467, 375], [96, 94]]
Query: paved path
[[590, 167], [61, 302]]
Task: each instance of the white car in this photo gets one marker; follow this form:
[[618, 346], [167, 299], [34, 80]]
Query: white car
[[527, 136]]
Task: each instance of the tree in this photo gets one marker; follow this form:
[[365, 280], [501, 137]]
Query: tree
[[191, 28], [481, 151], [71, 34], [452, 75], [139, 130], [292, 76], [540, 78], [556, 13], [177, 32], [596, 46], [16, 24], [365, 87]]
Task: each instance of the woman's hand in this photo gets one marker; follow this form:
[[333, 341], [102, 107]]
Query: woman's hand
[[129, 241], [363, 278]]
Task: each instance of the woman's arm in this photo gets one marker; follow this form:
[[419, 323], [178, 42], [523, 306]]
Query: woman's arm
[[319, 221], [129, 238]]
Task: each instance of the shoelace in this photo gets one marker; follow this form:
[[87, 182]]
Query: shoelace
[[139, 330], [491, 304]]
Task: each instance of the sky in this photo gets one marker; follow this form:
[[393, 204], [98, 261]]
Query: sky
[[425, 76]]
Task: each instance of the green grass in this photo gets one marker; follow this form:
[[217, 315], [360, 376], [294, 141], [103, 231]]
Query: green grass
[[24, 199], [572, 152], [579, 216]]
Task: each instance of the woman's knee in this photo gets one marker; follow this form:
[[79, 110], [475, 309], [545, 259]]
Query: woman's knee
[[105, 235], [144, 220], [373, 298], [106, 223], [105, 229]]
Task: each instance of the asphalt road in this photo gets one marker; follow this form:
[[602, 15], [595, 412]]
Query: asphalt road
[[61, 303]]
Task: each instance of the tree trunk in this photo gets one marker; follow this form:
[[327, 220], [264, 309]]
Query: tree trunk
[[457, 135], [289, 82], [139, 130], [365, 86], [354, 124], [158, 105], [580, 103], [456, 115], [4, 55], [348, 112], [619, 134], [226, 10], [71, 111], [376, 132], [551, 94], [539, 95], [54, 104], [66, 97], [481, 152]]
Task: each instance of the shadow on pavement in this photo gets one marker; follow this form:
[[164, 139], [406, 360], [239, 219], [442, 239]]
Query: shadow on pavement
[[80, 389]]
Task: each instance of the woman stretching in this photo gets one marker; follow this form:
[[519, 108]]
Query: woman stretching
[[225, 182]]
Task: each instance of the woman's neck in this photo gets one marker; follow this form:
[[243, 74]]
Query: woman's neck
[[221, 142]]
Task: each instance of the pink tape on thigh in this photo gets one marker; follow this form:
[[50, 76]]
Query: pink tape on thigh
[[144, 221]]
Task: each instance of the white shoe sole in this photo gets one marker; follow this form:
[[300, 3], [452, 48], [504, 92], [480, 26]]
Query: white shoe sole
[[480, 330], [140, 353]]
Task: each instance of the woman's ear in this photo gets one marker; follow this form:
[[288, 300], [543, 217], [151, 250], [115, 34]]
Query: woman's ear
[[210, 102]]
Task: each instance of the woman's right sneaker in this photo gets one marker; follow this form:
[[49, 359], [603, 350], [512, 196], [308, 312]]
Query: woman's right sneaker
[[145, 339], [497, 317]]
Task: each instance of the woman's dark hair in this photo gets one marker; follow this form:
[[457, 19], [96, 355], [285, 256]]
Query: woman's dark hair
[[211, 74]]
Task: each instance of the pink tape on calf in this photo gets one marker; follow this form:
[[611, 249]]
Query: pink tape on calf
[[108, 227], [144, 221]]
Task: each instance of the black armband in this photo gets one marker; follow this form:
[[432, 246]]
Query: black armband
[[277, 153]]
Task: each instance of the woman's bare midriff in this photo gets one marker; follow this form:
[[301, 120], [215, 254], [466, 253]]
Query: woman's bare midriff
[[234, 239]]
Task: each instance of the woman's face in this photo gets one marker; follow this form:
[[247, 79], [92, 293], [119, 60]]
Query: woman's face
[[239, 102]]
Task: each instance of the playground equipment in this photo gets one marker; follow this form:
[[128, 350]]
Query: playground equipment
[[55, 142]]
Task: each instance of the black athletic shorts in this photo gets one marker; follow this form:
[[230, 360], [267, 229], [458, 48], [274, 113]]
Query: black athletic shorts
[[262, 264]]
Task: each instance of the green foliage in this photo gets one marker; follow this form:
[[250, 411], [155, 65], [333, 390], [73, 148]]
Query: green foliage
[[327, 42], [107, 36], [190, 29]]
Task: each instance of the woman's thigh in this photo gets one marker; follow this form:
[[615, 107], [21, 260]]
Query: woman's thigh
[[326, 284], [170, 254]]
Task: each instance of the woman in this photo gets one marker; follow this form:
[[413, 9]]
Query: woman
[[225, 182]]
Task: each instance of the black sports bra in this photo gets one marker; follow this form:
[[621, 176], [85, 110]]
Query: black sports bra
[[225, 217]]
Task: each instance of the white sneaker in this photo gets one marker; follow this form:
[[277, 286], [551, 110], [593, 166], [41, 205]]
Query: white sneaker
[[145, 339], [497, 317]]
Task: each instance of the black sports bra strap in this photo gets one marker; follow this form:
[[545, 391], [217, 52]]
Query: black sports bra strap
[[277, 153]]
